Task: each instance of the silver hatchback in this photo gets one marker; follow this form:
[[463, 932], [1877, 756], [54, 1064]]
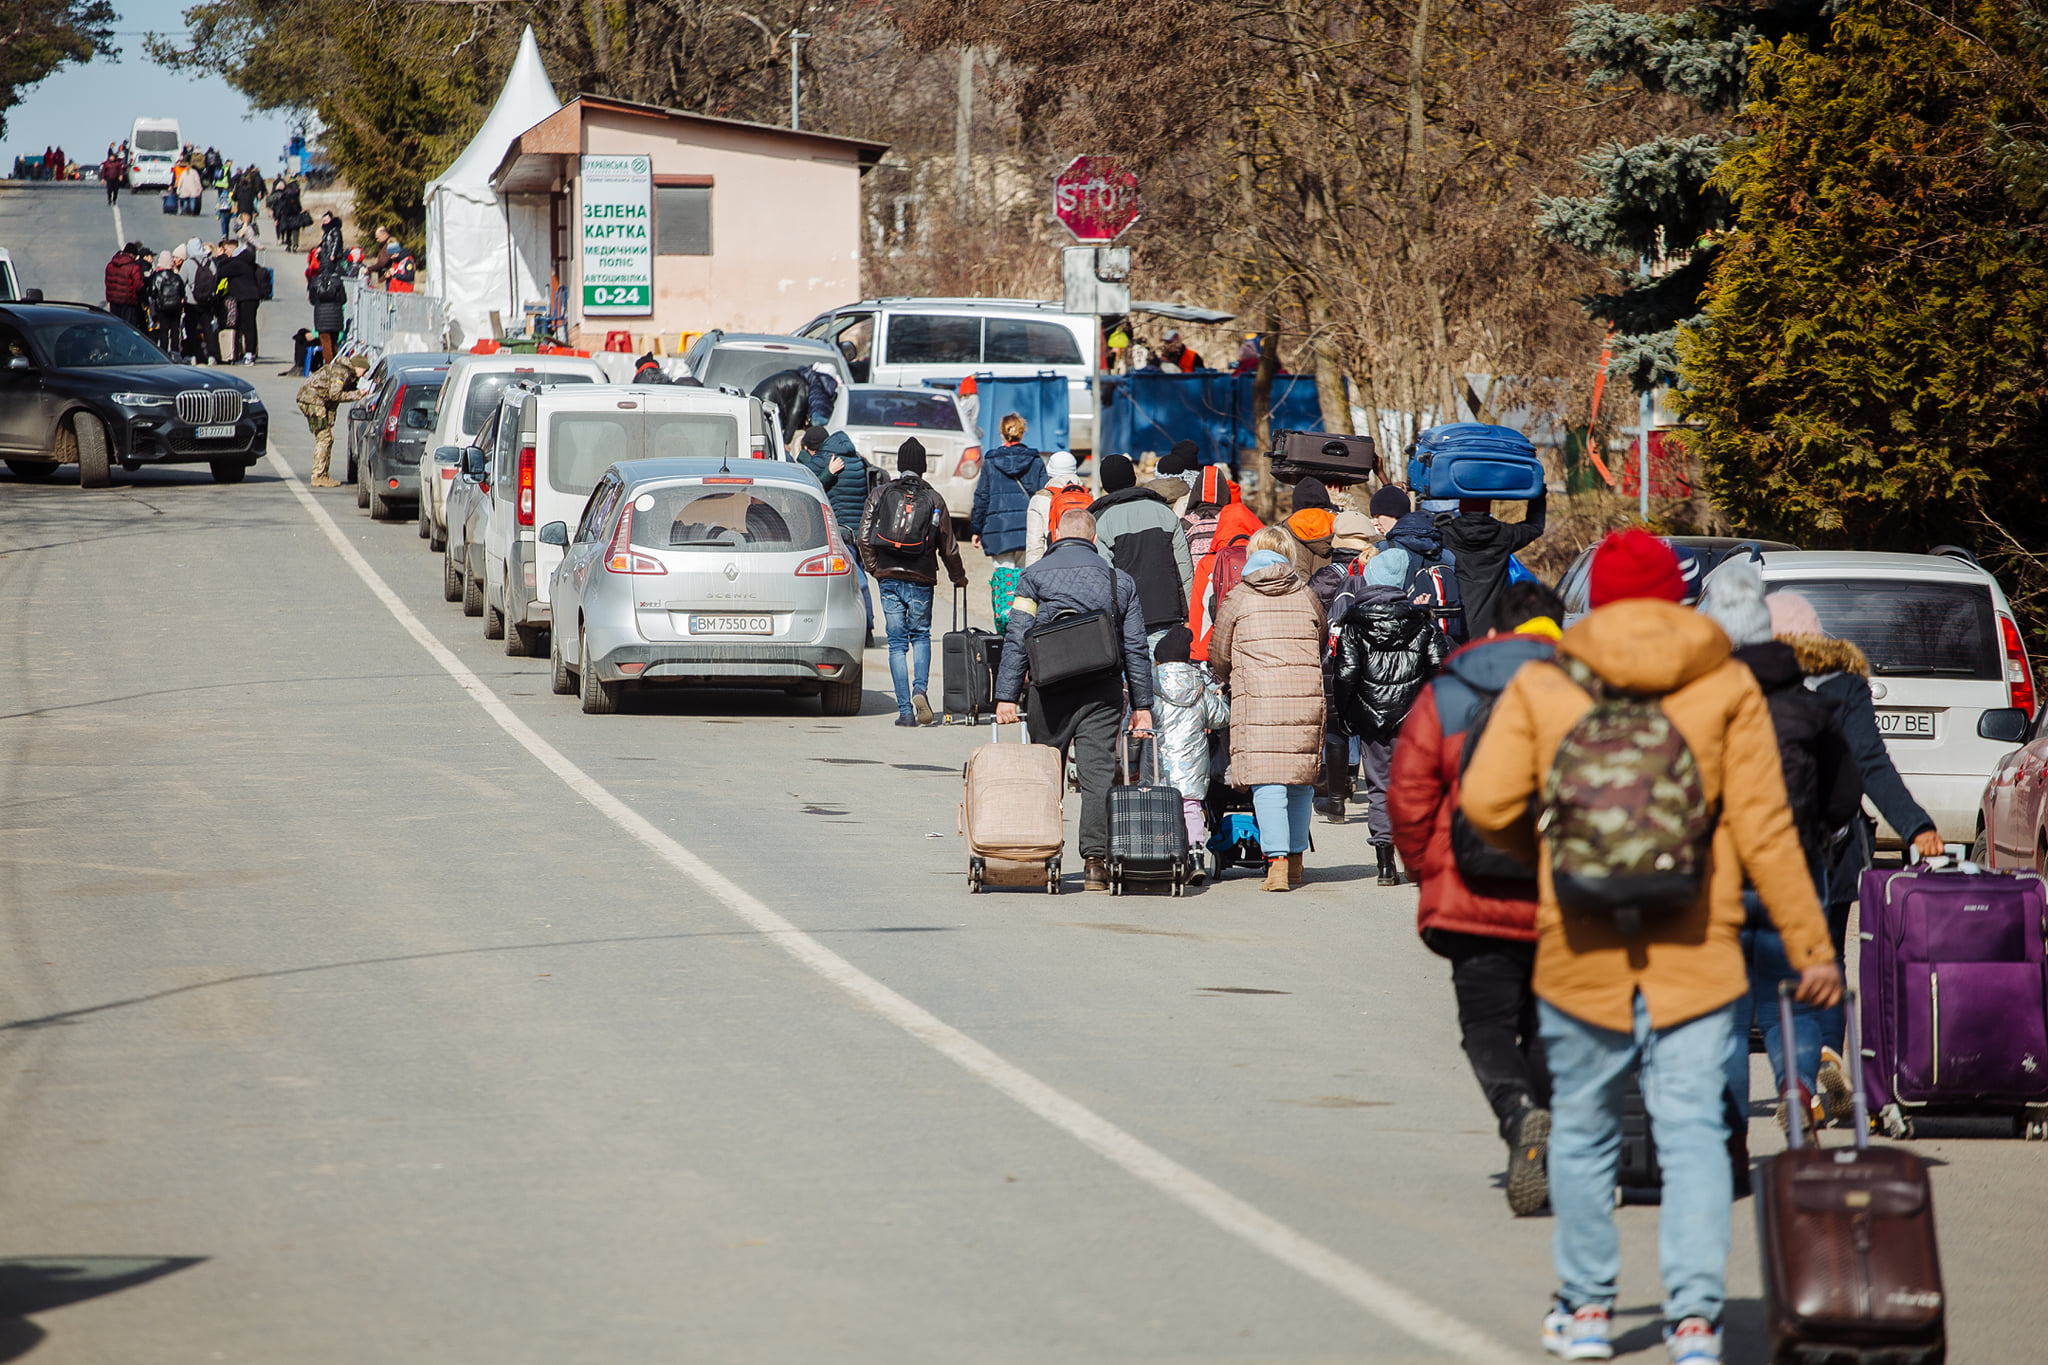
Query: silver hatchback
[[710, 573]]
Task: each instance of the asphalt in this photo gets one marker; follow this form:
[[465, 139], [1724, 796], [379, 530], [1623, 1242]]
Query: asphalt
[[337, 1025]]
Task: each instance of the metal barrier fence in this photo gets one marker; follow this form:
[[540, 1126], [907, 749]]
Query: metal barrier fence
[[382, 322]]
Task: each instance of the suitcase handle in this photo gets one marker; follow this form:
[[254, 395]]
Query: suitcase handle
[[1153, 735], [1854, 1010], [1795, 1118], [960, 608], [1941, 862]]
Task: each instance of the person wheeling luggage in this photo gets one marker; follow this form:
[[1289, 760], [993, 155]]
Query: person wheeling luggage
[[1644, 725], [1082, 712], [843, 474], [1137, 532], [1477, 905], [1268, 650], [1187, 705], [904, 532], [1481, 545], [1010, 475]]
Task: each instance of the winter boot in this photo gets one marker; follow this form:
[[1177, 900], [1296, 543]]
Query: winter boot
[[1389, 874], [1276, 874]]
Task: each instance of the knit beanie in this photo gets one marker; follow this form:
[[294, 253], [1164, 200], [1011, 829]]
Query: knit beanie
[[1118, 473], [1311, 523], [1311, 493], [1792, 614], [814, 438], [1061, 467], [1390, 501], [1388, 568], [1179, 460], [1176, 646], [909, 456], [1352, 531], [1633, 563], [1734, 600]]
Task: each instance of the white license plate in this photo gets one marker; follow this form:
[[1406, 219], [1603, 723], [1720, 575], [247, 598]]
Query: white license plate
[[212, 433], [732, 625], [1915, 723]]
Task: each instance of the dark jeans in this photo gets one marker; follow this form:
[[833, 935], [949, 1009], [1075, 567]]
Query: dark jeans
[[1087, 717], [245, 327], [1497, 1015], [1375, 761]]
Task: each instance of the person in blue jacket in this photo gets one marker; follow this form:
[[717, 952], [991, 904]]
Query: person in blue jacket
[[843, 474], [1010, 474]]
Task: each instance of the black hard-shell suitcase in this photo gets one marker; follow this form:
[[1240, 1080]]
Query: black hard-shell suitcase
[[1148, 835], [1851, 1267], [1335, 459], [968, 660], [1637, 1177]]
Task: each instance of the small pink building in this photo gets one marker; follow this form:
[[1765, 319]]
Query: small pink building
[[749, 228]]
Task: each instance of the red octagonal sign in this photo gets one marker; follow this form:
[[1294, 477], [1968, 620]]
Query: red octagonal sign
[[1096, 198]]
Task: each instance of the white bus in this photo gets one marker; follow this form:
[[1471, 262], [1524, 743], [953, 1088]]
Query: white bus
[[152, 152]]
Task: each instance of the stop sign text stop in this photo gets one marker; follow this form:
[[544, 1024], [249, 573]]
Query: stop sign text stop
[[1095, 198]]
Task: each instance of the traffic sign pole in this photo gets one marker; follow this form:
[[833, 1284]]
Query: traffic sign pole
[[1096, 199]]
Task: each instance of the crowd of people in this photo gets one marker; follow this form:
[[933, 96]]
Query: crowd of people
[[51, 165]]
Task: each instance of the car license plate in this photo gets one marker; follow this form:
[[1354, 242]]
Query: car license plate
[[732, 625], [212, 433], [1918, 724]]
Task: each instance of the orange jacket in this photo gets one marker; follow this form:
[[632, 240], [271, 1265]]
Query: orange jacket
[[1233, 521]]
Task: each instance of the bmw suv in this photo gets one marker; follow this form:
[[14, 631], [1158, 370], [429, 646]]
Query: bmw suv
[[78, 385]]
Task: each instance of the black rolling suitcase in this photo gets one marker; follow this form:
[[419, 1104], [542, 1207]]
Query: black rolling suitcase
[[1335, 459], [1148, 835], [1851, 1270], [1637, 1177], [968, 660]]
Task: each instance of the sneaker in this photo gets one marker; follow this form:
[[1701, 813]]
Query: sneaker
[[1833, 1081], [1578, 1336], [1528, 1176], [1810, 1122], [1695, 1341], [921, 708], [908, 722]]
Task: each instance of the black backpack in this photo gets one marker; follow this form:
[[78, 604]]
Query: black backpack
[[328, 288], [1488, 870], [906, 517], [166, 291]]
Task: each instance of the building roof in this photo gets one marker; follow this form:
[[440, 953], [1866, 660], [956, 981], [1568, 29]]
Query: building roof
[[531, 163]]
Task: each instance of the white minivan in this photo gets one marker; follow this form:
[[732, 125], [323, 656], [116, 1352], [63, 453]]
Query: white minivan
[[554, 443], [469, 396], [904, 341], [153, 145]]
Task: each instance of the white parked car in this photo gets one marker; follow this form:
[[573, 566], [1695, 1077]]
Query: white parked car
[[877, 418], [469, 396]]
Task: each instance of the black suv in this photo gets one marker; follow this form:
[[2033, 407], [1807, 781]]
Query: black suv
[[78, 384]]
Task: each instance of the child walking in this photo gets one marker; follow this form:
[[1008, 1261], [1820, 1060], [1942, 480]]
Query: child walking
[[1186, 705]]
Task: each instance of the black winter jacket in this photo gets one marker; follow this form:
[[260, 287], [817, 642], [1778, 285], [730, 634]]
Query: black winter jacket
[[1136, 531], [1387, 648], [1821, 781], [1482, 546], [847, 490], [332, 253], [1071, 576], [917, 568], [329, 297], [238, 268]]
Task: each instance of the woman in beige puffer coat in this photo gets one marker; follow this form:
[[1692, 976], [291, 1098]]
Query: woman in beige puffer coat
[[1268, 648]]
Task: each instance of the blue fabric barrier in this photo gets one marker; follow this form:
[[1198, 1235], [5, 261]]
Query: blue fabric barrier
[[1147, 413]]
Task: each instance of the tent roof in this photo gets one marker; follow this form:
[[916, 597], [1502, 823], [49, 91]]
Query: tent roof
[[526, 99]]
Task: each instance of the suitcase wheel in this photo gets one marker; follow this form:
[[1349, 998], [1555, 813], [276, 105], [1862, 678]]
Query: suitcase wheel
[[1052, 876], [1894, 1122], [976, 870], [2030, 1128]]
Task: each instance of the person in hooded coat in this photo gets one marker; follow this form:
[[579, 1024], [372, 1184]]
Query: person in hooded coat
[[1010, 475], [1312, 523], [1481, 545], [1432, 570], [1213, 492], [1220, 568], [1170, 480], [1137, 532], [1186, 705], [843, 474]]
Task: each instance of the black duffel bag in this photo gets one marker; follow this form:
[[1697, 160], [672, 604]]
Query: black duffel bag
[[1075, 644]]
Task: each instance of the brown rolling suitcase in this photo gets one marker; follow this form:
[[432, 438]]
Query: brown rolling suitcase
[[1852, 1275], [1010, 814], [1332, 457]]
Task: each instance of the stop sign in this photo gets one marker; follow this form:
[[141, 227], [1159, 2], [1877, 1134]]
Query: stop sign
[[1096, 198]]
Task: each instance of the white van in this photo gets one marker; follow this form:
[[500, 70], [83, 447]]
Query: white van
[[469, 396], [904, 341], [153, 145], [554, 444]]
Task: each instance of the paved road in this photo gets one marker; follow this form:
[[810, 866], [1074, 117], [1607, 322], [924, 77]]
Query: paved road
[[361, 1000]]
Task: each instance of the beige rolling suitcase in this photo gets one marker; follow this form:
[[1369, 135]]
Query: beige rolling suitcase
[[1010, 814]]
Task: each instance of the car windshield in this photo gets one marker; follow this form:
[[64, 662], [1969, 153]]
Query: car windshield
[[901, 408], [1910, 628], [96, 343], [486, 389], [746, 519], [745, 369], [156, 140], [583, 444]]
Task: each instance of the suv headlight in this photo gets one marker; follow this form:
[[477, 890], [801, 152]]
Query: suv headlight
[[252, 399], [143, 400]]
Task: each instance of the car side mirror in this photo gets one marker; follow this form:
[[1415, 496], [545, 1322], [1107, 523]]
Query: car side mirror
[[555, 533], [31, 296], [20, 362], [358, 413], [2003, 725], [475, 462]]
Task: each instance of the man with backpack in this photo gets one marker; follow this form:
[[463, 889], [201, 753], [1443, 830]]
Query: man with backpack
[[1477, 907], [165, 293], [1645, 755], [905, 531]]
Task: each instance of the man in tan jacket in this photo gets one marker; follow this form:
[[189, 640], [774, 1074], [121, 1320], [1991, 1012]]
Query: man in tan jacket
[[1663, 997]]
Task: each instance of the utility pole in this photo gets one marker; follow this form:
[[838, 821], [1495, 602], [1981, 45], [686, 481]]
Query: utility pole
[[1643, 459], [796, 37], [963, 134]]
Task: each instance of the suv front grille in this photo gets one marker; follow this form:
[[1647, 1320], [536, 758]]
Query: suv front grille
[[209, 407]]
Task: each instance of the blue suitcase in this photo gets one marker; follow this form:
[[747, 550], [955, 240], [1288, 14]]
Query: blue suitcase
[[1474, 460]]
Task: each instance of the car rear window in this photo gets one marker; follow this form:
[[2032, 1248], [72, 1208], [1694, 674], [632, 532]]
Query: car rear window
[[486, 389], [901, 408], [582, 445], [736, 518], [420, 401], [1011, 341], [934, 339], [745, 369], [1908, 628]]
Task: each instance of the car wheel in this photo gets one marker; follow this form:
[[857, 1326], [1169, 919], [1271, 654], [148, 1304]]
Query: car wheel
[[494, 622], [521, 642], [560, 679], [1980, 848], [426, 518], [380, 506], [437, 539], [472, 595], [352, 472], [451, 577], [94, 471], [228, 471], [33, 469], [600, 698], [841, 698], [362, 488]]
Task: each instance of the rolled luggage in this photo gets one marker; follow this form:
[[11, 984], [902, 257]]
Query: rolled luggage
[[1332, 457], [1474, 460], [968, 660], [1148, 835], [1010, 814]]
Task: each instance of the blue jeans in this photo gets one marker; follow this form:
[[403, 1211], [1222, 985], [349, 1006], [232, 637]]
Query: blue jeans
[[907, 607], [1812, 1027], [1283, 818], [1683, 1082]]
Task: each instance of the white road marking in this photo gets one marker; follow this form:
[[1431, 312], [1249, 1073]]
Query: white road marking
[[1395, 1306], [120, 233]]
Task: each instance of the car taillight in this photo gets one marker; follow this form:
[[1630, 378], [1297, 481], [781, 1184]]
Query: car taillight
[[2019, 673], [526, 486], [621, 557], [833, 562], [970, 464], [391, 418]]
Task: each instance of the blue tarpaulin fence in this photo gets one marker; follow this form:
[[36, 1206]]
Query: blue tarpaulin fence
[[1040, 399], [1147, 413]]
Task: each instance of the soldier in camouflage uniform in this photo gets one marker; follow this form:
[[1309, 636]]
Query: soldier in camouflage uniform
[[320, 398]]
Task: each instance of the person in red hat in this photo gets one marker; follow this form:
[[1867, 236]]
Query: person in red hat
[[1644, 755]]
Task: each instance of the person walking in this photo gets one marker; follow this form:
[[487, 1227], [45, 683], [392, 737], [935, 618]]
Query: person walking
[[248, 191], [125, 281], [1170, 480], [237, 265], [1384, 649], [905, 531], [321, 398], [1219, 570], [1268, 650], [328, 293], [189, 188], [165, 294], [1432, 572], [1063, 489], [1647, 686], [843, 474], [1082, 715], [1137, 532], [1481, 545], [208, 310], [1010, 475], [1486, 929], [1213, 492], [112, 171], [1187, 704], [285, 216], [1312, 523], [223, 186]]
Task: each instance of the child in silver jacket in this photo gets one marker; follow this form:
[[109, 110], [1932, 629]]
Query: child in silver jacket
[[1186, 705]]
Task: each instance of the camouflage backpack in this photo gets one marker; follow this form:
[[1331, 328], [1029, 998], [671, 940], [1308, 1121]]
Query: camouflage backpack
[[1624, 815]]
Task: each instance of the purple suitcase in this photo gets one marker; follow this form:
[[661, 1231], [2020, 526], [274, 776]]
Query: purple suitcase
[[1954, 1008]]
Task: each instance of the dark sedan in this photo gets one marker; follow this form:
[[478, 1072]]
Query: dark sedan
[[80, 386], [401, 413]]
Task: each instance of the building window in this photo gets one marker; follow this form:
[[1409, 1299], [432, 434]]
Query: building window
[[682, 220]]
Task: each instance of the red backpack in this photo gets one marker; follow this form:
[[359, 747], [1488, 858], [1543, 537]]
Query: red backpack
[[1229, 566], [1065, 500]]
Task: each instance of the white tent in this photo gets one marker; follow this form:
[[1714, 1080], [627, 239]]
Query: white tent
[[485, 254]]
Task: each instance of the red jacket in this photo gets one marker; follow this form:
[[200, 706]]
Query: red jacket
[[124, 279], [1232, 522], [1422, 792]]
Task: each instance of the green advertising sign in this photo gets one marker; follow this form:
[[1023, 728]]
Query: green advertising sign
[[618, 236]]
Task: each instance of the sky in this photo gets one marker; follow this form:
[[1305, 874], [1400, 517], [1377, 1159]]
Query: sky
[[83, 108]]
